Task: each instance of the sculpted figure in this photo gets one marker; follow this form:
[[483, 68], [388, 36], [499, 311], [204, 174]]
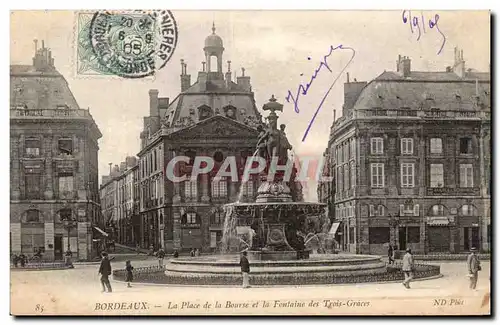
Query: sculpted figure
[[284, 144]]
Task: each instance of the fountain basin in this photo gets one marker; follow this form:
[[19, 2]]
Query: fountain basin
[[317, 269]]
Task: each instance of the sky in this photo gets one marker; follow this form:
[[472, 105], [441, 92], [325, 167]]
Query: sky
[[274, 47]]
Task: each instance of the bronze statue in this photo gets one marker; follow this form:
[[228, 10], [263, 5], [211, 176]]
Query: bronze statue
[[273, 142]]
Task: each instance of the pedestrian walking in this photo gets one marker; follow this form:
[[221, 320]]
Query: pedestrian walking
[[473, 267], [176, 253], [130, 276], [22, 259], [191, 253], [245, 269], [105, 271], [408, 268], [390, 254], [196, 252], [161, 255]]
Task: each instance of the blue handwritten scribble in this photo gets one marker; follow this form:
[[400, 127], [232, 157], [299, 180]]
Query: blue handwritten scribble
[[418, 24], [302, 90]]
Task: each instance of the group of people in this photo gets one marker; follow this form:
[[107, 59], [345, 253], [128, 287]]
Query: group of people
[[408, 267], [19, 259]]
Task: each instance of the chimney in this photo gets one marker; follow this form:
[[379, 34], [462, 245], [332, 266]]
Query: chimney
[[348, 77], [244, 81], [185, 78], [459, 63], [228, 75], [153, 102], [404, 66]]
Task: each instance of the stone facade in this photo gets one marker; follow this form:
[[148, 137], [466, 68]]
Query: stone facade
[[54, 168], [411, 161]]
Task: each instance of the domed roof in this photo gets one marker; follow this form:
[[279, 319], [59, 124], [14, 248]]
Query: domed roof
[[213, 40]]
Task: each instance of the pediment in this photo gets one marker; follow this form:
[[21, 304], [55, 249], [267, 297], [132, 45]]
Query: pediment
[[216, 127]]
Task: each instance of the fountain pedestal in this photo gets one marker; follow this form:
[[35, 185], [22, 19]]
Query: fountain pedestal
[[277, 247]]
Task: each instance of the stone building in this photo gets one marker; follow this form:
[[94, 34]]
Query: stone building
[[119, 202], [54, 199], [215, 116], [411, 159]]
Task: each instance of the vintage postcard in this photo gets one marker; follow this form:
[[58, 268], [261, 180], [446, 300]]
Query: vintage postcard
[[176, 162]]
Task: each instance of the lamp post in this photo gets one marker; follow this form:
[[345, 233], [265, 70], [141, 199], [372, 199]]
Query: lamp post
[[394, 223], [69, 224]]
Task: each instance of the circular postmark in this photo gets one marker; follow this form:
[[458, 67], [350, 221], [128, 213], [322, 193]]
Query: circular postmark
[[133, 44]]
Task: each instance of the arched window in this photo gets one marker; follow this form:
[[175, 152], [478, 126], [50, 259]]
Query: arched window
[[437, 210], [213, 63], [204, 112], [467, 210], [230, 111]]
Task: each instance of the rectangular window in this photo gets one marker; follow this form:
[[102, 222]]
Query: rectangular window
[[247, 189], [218, 218], [407, 175], [407, 146], [65, 146], [413, 235], [465, 145], [191, 189], [353, 174], [346, 177], [33, 186], [346, 152], [341, 179], [219, 187], [378, 235], [65, 182], [32, 147], [191, 217], [466, 175], [353, 148], [436, 146], [377, 174], [377, 146], [437, 175]]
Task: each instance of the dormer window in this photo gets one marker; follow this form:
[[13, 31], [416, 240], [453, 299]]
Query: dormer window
[[230, 111], [204, 112]]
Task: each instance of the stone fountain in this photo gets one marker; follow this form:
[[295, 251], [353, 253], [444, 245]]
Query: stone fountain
[[272, 230]]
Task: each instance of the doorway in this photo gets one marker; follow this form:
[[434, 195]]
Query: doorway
[[58, 247]]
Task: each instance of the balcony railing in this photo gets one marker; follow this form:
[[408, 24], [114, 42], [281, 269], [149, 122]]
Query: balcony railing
[[49, 113], [452, 191]]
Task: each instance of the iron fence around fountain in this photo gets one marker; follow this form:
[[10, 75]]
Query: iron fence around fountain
[[156, 275]]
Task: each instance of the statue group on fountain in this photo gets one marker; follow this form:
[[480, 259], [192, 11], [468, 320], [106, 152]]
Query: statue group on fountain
[[273, 142]]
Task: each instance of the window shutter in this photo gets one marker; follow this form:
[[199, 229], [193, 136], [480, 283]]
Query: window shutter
[[416, 210], [401, 209], [381, 211], [372, 210]]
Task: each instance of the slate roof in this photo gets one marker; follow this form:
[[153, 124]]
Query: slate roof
[[39, 89], [443, 90]]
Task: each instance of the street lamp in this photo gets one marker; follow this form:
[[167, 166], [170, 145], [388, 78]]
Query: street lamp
[[69, 224]]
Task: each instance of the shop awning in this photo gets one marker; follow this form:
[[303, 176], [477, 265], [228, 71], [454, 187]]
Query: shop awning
[[334, 228], [101, 231]]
